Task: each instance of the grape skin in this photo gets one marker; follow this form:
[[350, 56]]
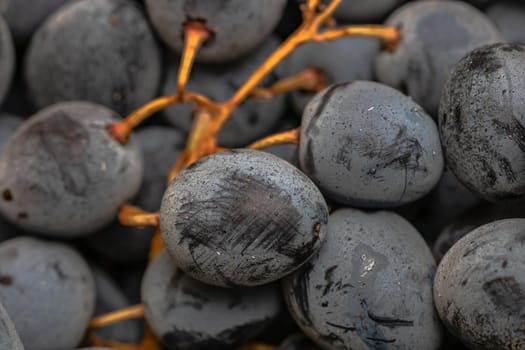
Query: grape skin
[[48, 290], [482, 119], [339, 61], [9, 339], [435, 35], [238, 26], [242, 218], [187, 314], [478, 288], [7, 59], [62, 173], [25, 16], [101, 51], [366, 144], [370, 286], [509, 18]]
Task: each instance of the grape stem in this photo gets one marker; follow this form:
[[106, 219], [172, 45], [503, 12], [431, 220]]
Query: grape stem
[[285, 137], [130, 215], [131, 312], [149, 342], [310, 79], [195, 35]]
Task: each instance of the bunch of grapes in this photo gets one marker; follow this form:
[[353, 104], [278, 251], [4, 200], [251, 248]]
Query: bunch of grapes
[[262, 174]]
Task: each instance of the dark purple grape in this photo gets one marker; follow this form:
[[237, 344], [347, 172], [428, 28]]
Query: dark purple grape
[[340, 61], [63, 174], [101, 51], [7, 59], [186, 314], [479, 286], [253, 119], [365, 10], [48, 290], [366, 144], [9, 339], [237, 26], [369, 287], [25, 16], [481, 214], [509, 17], [435, 35], [482, 121], [8, 125], [242, 218]]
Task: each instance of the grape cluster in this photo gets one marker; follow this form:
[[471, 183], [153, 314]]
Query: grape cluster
[[310, 181]]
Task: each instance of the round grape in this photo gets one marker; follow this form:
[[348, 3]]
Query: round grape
[[9, 339], [366, 144], [187, 314], [435, 35], [48, 290], [237, 26], [101, 51], [7, 59], [242, 217], [479, 286], [482, 121], [63, 174], [369, 287]]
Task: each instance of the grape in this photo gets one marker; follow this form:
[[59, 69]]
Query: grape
[[8, 125], [7, 59], [448, 200], [242, 217], [110, 298], [365, 10], [340, 61], [479, 283], [160, 146], [187, 314], [252, 120], [25, 16], [297, 342], [9, 339], [366, 144], [435, 35], [482, 118], [370, 286], [48, 290], [481, 214], [95, 348], [237, 26], [509, 17], [62, 173], [101, 51]]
